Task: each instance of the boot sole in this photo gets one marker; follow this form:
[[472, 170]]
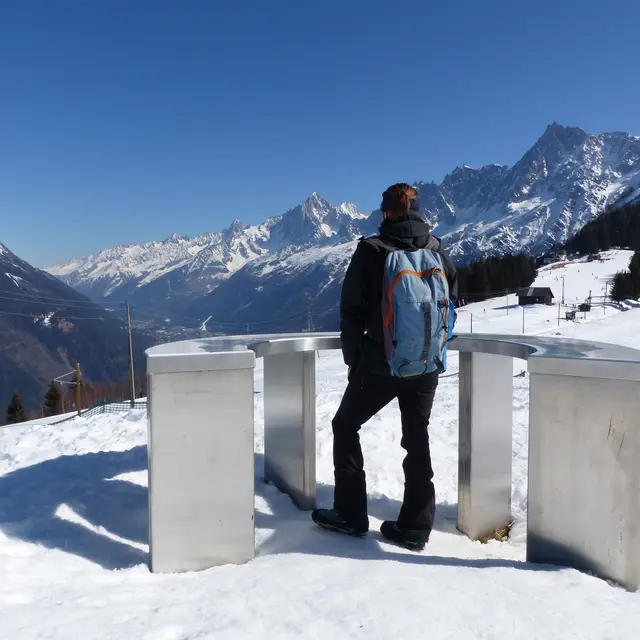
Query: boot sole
[[346, 532], [410, 546]]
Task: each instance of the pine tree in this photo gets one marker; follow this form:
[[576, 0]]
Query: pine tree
[[15, 411], [634, 265], [495, 276], [52, 400], [622, 288], [616, 228], [626, 284], [604, 238], [591, 240]]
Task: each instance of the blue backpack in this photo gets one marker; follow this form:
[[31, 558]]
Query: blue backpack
[[418, 315]]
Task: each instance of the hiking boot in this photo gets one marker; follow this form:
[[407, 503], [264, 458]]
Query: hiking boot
[[330, 519], [412, 540]]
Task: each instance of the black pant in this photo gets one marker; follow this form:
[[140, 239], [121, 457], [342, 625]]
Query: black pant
[[365, 395]]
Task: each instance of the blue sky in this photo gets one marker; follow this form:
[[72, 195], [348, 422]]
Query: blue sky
[[123, 121]]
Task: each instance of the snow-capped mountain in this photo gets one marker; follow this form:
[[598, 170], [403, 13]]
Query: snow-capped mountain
[[47, 327], [566, 179], [286, 291], [180, 269]]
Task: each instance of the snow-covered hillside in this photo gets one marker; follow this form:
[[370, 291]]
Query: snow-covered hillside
[[282, 292], [73, 532], [581, 280], [47, 327]]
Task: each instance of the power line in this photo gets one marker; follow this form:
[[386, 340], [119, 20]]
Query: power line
[[59, 303], [77, 304], [260, 324], [52, 299], [65, 303], [61, 316]]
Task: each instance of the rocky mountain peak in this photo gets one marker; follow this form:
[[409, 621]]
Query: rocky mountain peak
[[558, 141], [315, 207], [177, 237], [236, 228]]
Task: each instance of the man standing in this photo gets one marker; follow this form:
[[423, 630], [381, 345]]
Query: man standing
[[379, 310]]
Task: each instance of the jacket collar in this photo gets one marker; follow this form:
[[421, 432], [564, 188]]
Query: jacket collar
[[409, 231]]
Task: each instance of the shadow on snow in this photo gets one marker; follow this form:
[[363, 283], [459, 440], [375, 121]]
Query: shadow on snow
[[293, 532], [30, 498]]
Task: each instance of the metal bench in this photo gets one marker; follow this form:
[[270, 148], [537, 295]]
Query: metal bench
[[584, 446]]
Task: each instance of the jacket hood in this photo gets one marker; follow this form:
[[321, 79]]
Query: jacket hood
[[410, 232]]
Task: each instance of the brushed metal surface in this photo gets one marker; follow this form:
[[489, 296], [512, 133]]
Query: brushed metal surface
[[290, 425], [201, 469], [540, 351], [550, 350], [485, 447], [585, 367], [584, 475], [309, 342], [186, 362]]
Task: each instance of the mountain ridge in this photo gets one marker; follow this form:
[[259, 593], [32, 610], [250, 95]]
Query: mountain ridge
[[564, 180], [198, 263]]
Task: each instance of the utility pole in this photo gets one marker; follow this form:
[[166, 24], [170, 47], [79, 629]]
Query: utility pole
[[78, 389], [471, 323], [558, 314], [309, 322], [562, 289], [132, 380], [606, 291], [522, 320], [507, 301]]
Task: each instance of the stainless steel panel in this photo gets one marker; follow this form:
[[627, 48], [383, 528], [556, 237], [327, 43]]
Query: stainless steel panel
[[584, 475], [201, 469], [485, 443], [290, 425], [176, 362], [545, 351], [269, 343], [586, 368], [288, 344], [582, 483], [499, 345], [541, 349]]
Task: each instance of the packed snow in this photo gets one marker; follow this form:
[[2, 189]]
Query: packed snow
[[73, 528]]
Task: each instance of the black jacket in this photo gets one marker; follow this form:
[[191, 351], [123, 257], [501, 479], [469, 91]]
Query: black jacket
[[361, 299]]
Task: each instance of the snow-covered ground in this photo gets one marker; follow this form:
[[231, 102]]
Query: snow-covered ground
[[73, 530], [66, 416], [581, 279]]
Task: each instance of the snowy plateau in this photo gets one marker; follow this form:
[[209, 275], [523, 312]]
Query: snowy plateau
[[73, 527], [566, 179]]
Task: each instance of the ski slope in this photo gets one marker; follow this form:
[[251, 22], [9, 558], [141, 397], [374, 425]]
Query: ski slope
[[581, 278], [73, 531]]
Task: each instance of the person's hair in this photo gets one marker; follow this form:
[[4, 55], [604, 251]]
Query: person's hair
[[398, 199]]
